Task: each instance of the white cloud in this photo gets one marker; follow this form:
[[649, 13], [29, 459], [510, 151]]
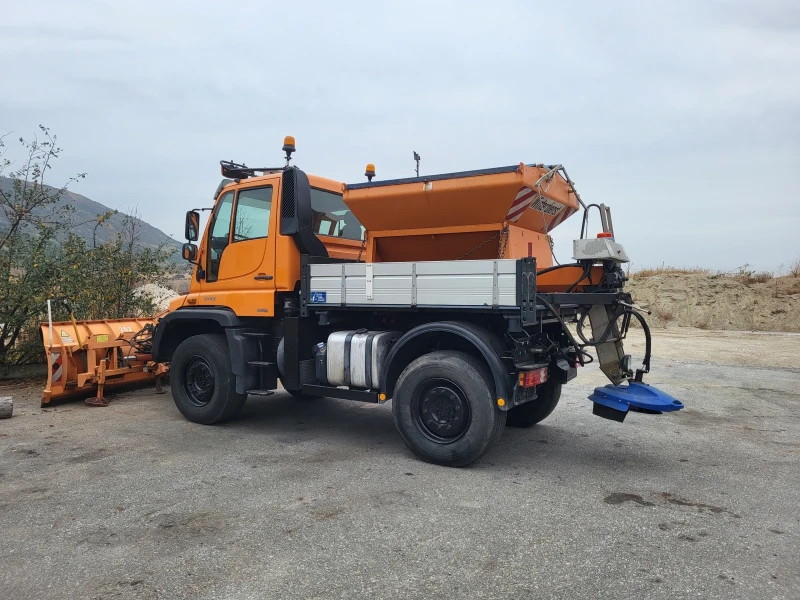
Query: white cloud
[[683, 116]]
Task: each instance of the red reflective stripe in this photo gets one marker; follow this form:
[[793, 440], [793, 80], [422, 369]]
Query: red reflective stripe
[[516, 214], [522, 196], [561, 217], [523, 200]]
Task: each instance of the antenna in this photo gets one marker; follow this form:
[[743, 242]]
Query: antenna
[[417, 159]]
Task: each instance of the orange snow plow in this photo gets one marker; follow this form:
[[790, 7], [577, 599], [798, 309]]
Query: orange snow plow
[[84, 357]]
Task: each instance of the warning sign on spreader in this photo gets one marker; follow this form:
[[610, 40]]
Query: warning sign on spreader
[[546, 206], [66, 338], [102, 338]]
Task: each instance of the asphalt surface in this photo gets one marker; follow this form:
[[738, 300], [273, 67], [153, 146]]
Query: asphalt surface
[[321, 499]]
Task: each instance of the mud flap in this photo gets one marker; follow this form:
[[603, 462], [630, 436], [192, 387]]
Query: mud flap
[[614, 401]]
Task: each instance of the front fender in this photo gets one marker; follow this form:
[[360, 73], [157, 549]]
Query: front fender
[[163, 346]]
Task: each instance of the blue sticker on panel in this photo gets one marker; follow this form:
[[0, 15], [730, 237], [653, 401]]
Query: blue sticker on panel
[[319, 297]]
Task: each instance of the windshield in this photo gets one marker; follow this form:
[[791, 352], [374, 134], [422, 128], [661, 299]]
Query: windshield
[[332, 217]]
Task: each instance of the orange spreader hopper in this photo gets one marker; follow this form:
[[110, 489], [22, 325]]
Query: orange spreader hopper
[[505, 212], [86, 356]]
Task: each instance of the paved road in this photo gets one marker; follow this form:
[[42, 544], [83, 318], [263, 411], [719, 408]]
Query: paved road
[[322, 500]]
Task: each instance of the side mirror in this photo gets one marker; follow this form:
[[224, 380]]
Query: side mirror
[[192, 227], [189, 252]]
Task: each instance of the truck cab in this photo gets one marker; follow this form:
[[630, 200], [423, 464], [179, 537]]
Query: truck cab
[[243, 259]]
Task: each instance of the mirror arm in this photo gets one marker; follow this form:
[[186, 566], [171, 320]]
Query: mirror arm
[[200, 273]]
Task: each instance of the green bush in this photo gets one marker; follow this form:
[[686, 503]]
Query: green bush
[[41, 258]]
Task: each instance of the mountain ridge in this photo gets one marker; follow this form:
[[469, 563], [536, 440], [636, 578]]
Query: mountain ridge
[[86, 213]]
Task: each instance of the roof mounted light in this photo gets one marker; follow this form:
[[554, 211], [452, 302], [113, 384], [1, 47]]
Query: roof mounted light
[[369, 172], [288, 147]]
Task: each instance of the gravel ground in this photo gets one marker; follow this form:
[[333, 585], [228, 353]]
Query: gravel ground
[[321, 499]]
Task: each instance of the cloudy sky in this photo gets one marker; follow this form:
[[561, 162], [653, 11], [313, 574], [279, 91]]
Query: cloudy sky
[[684, 116]]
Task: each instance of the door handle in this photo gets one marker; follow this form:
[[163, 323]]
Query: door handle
[[262, 277]]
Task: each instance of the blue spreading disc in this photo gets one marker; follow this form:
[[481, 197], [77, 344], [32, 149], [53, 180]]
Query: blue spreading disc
[[634, 396]]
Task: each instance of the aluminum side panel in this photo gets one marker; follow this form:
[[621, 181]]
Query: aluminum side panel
[[437, 283]]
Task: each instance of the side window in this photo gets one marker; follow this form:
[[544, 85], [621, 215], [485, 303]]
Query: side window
[[252, 214], [220, 235], [332, 217]]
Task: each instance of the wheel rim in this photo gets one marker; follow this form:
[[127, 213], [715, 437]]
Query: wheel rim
[[198, 381], [441, 411]]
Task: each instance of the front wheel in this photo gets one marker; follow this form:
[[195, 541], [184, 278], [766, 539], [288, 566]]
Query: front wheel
[[203, 385], [530, 413], [444, 408]]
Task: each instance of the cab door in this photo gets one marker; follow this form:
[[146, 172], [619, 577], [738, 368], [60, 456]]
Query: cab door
[[240, 263]]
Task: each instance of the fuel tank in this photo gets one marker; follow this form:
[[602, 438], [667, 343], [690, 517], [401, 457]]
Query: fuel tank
[[355, 358]]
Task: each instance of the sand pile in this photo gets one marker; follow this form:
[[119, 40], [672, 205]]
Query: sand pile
[[719, 302]]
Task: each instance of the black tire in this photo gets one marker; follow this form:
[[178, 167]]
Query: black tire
[[462, 388], [203, 385], [532, 412]]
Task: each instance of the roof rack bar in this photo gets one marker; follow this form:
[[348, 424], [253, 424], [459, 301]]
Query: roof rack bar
[[234, 170]]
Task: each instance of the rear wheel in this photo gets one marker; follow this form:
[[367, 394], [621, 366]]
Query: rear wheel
[[532, 412], [444, 408], [203, 385]]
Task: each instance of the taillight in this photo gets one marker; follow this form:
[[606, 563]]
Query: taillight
[[531, 378]]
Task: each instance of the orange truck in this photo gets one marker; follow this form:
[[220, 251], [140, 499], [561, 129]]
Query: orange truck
[[437, 292]]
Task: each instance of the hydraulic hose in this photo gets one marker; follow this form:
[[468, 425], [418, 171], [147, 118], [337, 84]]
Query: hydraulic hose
[[605, 335], [587, 272], [647, 345], [567, 332], [626, 313], [556, 267]]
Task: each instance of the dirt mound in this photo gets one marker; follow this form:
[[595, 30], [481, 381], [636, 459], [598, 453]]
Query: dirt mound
[[712, 301]]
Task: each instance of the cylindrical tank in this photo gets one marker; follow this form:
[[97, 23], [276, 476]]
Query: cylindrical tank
[[356, 358]]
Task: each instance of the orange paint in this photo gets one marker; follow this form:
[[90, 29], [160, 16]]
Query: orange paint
[[561, 280], [437, 220], [445, 219], [77, 369]]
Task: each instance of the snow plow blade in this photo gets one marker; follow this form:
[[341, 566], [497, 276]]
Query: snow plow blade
[[84, 357]]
